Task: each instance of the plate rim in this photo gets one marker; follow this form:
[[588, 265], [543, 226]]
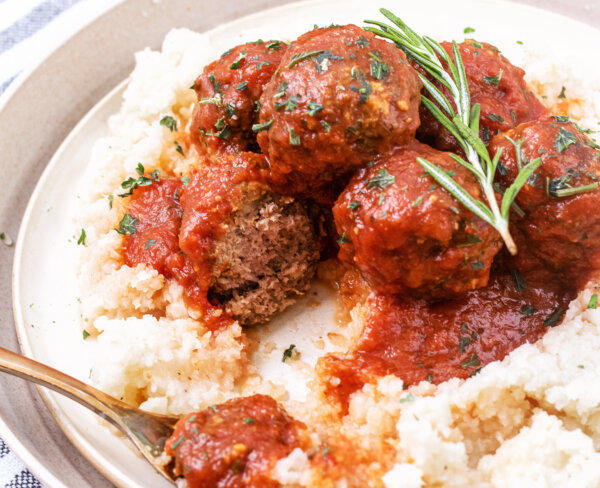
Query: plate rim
[[49, 397]]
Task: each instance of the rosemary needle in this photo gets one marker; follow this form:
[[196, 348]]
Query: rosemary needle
[[462, 122]]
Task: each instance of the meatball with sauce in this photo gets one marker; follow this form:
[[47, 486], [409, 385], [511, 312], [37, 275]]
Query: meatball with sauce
[[496, 84], [235, 444], [253, 250], [228, 91], [560, 201], [339, 98], [408, 235]]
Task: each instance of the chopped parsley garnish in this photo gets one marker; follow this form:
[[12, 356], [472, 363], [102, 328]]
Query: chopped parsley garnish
[[281, 90], [554, 318], [294, 138], [176, 444], [560, 187], [230, 109], [564, 139], [493, 80], [326, 126], [149, 243], [496, 118], [216, 100], [242, 86], [178, 148], [248, 420], [131, 183], [353, 205], [379, 69], [593, 303], [463, 343], [476, 44], [382, 180], [520, 43], [417, 202], [407, 398], [343, 239], [287, 354], [322, 60], [81, 240], [365, 89], [528, 310], [274, 45], [185, 180], [296, 58], [169, 122], [236, 64], [260, 65], [215, 84], [191, 419], [520, 284], [85, 334], [290, 104], [477, 265], [313, 108], [128, 225], [111, 199], [562, 93], [472, 362], [592, 144], [562, 119], [263, 126], [468, 30], [362, 41]]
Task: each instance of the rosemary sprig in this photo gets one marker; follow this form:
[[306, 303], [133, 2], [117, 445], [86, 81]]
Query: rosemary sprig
[[462, 123]]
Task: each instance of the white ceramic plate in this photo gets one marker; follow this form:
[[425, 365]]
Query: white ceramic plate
[[44, 287]]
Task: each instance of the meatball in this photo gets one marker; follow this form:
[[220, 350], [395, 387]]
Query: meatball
[[253, 250], [408, 235], [494, 83], [235, 444], [228, 91], [561, 225], [339, 98]]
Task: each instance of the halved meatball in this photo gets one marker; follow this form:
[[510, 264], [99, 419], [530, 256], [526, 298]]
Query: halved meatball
[[494, 83], [408, 235], [561, 225], [254, 251], [339, 98], [228, 91]]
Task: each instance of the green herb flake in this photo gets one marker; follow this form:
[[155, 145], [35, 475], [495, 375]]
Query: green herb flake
[[294, 138], [248, 420], [128, 225], [178, 148], [463, 343], [273, 45], [362, 41], [528, 310], [476, 44], [111, 199], [520, 284], [191, 419], [581, 366], [417, 202], [236, 64], [382, 180], [472, 362], [365, 89], [185, 180], [85, 334], [353, 205], [468, 30], [554, 318], [149, 243], [177, 443], [242, 86], [343, 239], [326, 126], [407, 398], [520, 43], [287, 354], [564, 139], [264, 126], [81, 240], [281, 90], [593, 303], [313, 108], [493, 80], [477, 265], [379, 69], [496, 118], [562, 119], [169, 122], [562, 93]]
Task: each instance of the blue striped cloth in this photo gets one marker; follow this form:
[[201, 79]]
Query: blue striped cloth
[[27, 29]]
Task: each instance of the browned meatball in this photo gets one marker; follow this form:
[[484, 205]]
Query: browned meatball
[[495, 84], [407, 234], [228, 91], [562, 228], [340, 97], [254, 252]]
